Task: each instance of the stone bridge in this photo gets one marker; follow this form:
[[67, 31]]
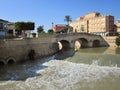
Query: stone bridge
[[79, 40], [13, 50]]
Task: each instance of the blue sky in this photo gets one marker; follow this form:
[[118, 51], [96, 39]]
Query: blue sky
[[44, 12]]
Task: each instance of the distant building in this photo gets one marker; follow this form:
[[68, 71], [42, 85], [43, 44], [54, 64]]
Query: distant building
[[3, 28], [59, 27], [11, 29], [94, 23], [118, 26], [6, 28]]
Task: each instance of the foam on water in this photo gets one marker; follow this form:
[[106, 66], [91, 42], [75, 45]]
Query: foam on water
[[65, 75]]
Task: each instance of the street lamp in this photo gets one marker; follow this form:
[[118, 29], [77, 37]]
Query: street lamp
[[52, 25]]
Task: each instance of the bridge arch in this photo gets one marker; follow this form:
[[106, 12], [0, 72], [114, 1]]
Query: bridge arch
[[83, 42], [80, 43], [2, 63], [64, 45], [11, 60], [96, 43], [86, 40]]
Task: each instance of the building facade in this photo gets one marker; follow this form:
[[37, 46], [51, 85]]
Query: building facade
[[94, 23], [7, 30], [3, 28], [59, 27], [11, 29], [118, 26]]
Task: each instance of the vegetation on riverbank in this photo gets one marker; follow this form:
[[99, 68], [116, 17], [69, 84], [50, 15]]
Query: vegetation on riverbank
[[117, 42]]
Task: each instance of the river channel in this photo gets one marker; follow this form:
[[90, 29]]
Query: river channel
[[86, 69]]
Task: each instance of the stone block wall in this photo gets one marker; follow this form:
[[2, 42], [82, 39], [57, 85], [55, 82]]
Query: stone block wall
[[18, 50]]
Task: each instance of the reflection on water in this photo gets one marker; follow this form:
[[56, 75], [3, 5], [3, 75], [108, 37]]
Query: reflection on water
[[93, 50], [103, 56], [86, 69], [63, 54], [101, 50], [117, 50]]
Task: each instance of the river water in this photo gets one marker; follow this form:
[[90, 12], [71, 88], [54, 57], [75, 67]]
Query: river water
[[86, 69]]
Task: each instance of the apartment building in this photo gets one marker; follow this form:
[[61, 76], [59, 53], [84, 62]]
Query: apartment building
[[118, 26], [94, 23]]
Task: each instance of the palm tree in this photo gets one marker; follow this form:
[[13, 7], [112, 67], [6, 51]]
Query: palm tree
[[68, 19]]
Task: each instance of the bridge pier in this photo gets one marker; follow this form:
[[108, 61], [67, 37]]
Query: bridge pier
[[72, 45], [90, 44]]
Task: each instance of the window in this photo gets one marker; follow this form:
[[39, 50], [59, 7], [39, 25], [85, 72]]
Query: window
[[103, 19], [5, 26], [1, 26]]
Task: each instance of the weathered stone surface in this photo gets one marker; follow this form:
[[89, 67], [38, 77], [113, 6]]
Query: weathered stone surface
[[19, 49]]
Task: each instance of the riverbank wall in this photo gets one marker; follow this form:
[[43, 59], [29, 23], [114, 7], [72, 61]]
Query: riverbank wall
[[14, 50], [22, 49], [110, 40]]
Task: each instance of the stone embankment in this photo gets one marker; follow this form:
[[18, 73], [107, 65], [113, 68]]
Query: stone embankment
[[110, 40], [15, 50]]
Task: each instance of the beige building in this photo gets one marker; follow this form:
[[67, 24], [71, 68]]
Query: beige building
[[118, 26], [94, 23]]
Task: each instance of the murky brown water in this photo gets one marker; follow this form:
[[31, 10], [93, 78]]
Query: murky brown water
[[87, 69]]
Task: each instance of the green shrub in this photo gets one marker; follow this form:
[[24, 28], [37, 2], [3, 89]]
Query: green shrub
[[117, 42]]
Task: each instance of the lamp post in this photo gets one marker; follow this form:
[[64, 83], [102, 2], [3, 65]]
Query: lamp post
[[52, 25]]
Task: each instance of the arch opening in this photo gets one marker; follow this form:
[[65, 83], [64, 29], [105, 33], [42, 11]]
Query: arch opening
[[11, 60], [83, 42], [64, 45], [31, 54], [96, 43], [2, 63], [77, 45]]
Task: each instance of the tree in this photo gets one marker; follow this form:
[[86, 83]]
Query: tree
[[115, 29], [65, 30], [34, 34], [68, 19], [118, 41], [19, 26], [24, 25], [40, 29], [50, 31]]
